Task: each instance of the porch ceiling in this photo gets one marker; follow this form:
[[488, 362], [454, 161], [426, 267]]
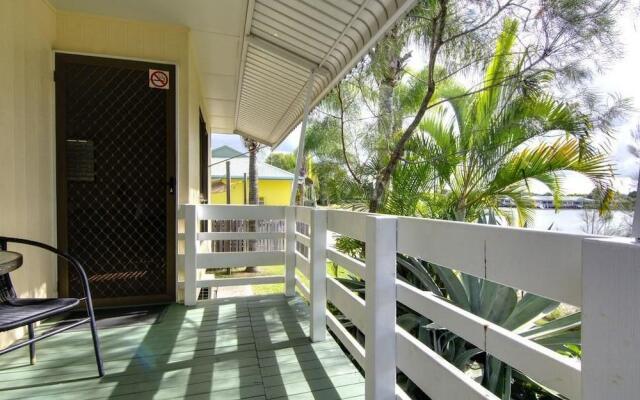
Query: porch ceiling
[[255, 56]]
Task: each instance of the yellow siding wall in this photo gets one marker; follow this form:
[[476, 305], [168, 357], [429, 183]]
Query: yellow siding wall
[[275, 192], [29, 31], [27, 202]]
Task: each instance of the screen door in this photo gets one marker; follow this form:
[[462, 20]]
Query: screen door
[[115, 128]]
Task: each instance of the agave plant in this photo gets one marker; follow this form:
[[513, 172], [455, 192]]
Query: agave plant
[[517, 311]]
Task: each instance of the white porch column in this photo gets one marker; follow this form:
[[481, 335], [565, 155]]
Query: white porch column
[[303, 130], [610, 319], [190, 250], [290, 252], [318, 274], [380, 308]]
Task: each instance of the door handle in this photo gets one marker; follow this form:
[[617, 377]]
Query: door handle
[[172, 184]]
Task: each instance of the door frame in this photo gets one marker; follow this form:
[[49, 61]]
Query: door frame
[[204, 158], [172, 170], [204, 169]]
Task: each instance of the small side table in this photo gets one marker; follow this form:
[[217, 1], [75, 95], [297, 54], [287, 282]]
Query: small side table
[[9, 261]]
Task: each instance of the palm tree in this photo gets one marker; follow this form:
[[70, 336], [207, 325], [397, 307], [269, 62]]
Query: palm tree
[[252, 146], [475, 149]]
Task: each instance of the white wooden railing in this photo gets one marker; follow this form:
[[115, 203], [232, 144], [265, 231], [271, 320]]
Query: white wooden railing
[[195, 259], [599, 275]]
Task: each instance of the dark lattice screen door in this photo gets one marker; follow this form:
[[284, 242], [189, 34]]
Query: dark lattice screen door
[[116, 169]]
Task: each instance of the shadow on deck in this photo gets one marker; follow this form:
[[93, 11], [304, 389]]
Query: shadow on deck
[[237, 348]]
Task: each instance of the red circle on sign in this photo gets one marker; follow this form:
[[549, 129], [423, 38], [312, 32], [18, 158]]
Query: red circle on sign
[[159, 79]]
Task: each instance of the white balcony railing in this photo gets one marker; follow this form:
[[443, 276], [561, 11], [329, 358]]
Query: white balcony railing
[[599, 275]]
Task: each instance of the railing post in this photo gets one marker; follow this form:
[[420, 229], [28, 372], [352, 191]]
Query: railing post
[[290, 252], [610, 319], [380, 308], [190, 251], [318, 274]]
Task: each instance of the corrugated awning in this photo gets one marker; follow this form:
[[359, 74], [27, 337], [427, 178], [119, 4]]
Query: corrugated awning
[[286, 40]]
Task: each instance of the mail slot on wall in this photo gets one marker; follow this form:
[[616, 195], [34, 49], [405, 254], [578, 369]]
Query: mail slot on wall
[[80, 160]]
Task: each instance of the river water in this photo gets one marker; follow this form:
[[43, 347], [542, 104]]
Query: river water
[[582, 221]]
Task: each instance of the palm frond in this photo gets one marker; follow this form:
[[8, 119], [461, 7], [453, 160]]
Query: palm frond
[[409, 183], [538, 162]]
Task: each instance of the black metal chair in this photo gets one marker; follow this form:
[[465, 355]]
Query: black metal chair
[[16, 312]]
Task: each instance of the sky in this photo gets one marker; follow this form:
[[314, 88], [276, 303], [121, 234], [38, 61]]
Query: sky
[[621, 78]]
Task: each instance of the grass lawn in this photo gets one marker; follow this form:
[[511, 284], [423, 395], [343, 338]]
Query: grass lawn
[[332, 270]]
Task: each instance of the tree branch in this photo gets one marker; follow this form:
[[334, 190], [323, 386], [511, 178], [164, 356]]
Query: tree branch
[[344, 147], [481, 25]]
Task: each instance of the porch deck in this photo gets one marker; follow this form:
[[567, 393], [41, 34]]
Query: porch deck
[[242, 348]]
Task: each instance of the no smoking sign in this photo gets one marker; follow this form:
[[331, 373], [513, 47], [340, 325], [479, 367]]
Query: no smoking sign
[[158, 79]]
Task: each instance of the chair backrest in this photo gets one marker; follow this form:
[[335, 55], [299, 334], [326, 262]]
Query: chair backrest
[[7, 291]]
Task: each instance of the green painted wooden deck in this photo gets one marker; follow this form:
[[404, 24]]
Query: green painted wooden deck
[[242, 348]]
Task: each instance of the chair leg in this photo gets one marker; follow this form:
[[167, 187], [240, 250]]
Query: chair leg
[[96, 342], [32, 346]]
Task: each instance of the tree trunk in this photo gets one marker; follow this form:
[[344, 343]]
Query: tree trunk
[[375, 203], [385, 109], [383, 178], [253, 174], [252, 146], [391, 62], [390, 59]]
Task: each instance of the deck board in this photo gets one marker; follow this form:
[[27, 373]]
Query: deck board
[[245, 348]]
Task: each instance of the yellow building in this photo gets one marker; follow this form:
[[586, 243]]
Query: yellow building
[[274, 184]]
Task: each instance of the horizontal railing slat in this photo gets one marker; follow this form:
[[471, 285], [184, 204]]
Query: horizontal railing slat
[[254, 280], [355, 349], [352, 306], [303, 239], [354, 266], [401, 395], [347, 223], [239, 235], [542, 364], [303, 214], [302, 263], [229, 212], [303, 288], [536, 361], [433, 374], [545, 263], [452, 245], [239, 259], [468, 326]]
